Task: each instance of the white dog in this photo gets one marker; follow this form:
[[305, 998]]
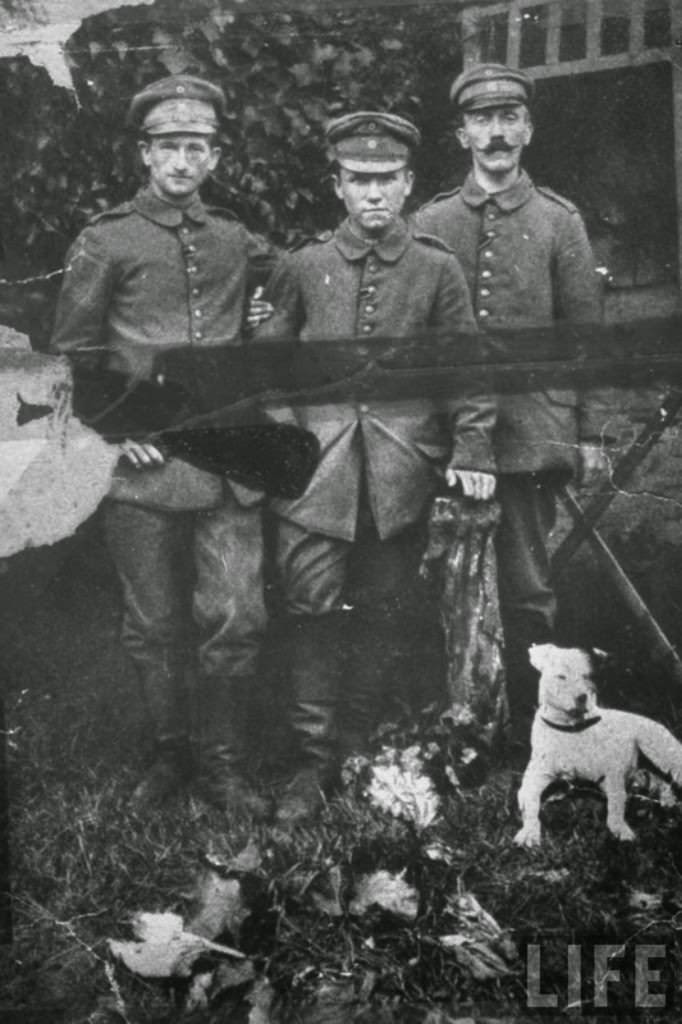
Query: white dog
[[572, 737]]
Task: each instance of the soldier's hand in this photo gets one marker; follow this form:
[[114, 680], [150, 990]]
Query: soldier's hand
[[479, 486], [259, 310], [594, 463], [141, 455]]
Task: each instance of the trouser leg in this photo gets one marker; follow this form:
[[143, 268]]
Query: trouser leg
[[527, 599], [148, 549], [313, 570], [228, 604], [387, 597], [229, 612]]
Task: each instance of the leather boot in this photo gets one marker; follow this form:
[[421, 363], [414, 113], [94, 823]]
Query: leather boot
[[223, 747], [371, 653], [521, 629], [315, 664], [161, 676], [170, 771]]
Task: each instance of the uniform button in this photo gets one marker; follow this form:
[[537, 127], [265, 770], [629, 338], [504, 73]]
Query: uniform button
[[364, 408], [367, 328], [492, 215], [483, 313], [191, 270], [198, 314], [371, 266], [184, 231], [371, 288], [196, 291], [488, 254], [198, 335], [490, 234], [370, 308], [190, 248], [486, 273], [484, 292]]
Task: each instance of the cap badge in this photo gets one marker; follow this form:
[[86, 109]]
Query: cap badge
[[371, 143], [180, 89]]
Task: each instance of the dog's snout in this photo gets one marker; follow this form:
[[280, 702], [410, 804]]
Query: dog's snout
[[581, 700]]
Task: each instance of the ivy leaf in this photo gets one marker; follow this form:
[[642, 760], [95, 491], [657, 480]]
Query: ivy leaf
[[163, 948], [389, 891]]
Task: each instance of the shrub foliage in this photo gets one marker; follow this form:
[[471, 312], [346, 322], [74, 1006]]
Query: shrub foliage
[[284, 71]]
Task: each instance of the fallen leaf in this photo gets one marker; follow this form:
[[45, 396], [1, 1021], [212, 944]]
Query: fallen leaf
[[441, 852], [399, 786], [639, 900], [246, 861], [553, 876], [164, 949], [473, 919], [197, 997], [388, 891], [219, 906], [331, 906], [477, 958], [261, 997], [333, 1002], [228, 976]]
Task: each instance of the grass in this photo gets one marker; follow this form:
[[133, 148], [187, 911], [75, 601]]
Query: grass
[[83, 865]]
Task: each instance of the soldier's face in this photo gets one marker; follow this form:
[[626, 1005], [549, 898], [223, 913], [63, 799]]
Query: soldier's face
[[373, 200], [496, 137], [178, 164]]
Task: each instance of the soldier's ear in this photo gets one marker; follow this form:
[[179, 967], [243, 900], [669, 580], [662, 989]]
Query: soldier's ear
[[528, 130], [143, 147], [336, 182], [462, 137]]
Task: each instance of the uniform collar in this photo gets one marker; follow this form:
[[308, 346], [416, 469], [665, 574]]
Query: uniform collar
[[509, 199], [390, 248], [168, 216]]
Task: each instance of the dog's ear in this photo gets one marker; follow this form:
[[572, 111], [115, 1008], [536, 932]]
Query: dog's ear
[[539, 654]]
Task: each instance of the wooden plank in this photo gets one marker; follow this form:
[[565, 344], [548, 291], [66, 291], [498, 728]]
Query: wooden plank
[[661, 647], [625, 466], [676, 30], [5, 899], [514, 36], [553, 33], [636, 27], [593, 49], [471, 37], [609, 63]]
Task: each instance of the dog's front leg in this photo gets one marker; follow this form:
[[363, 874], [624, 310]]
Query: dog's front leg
[[534, 783], [613, 787]]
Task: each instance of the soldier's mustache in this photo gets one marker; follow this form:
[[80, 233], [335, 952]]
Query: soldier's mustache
[[498, 147]]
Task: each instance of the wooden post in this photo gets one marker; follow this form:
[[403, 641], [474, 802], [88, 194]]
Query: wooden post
[[5, 901], [676, 34]]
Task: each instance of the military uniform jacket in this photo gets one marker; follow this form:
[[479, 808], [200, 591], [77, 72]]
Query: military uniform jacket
[[528, 263], [148, 273], [339, 286]]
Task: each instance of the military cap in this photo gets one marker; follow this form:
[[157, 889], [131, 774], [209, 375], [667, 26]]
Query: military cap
[[178, 103], [370, 140], [491, 85]]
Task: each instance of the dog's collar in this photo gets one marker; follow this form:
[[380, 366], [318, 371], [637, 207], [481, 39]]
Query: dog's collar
[[575, 727]]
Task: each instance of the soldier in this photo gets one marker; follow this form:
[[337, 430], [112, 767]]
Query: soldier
[[381, 460], [164, 269], [528, 263]]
